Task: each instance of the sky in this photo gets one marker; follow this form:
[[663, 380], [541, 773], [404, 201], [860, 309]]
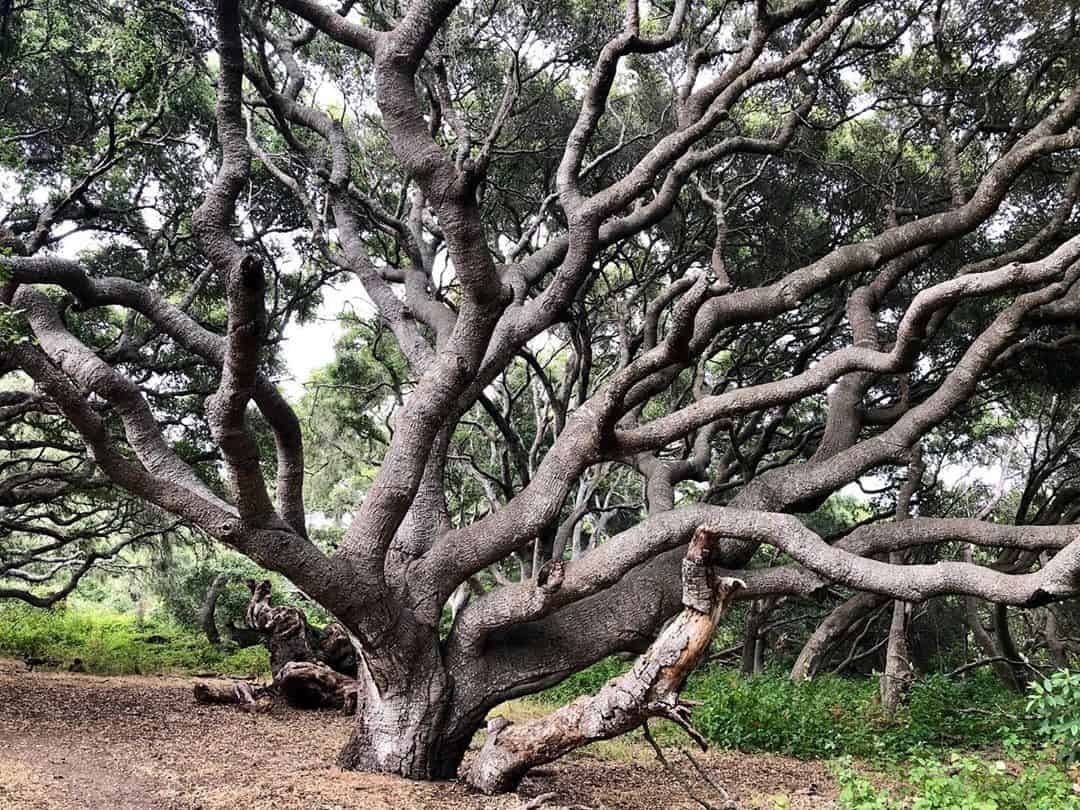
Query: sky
[[311, 345]]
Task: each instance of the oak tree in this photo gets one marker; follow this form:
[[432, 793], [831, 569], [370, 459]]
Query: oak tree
[[649, 271]]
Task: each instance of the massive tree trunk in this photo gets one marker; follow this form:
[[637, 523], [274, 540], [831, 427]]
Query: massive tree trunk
[[400, 726], [463, 320], [650, 689]]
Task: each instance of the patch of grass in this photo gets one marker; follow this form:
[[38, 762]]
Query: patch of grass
[[112, 643]]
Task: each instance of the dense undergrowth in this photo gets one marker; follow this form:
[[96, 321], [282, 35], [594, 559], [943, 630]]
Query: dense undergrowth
[[113, 643], [830, 715], [957, 745], [963, 782]]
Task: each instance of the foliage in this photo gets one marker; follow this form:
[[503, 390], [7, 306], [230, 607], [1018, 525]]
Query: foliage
[[963, 783], [827, 715], [585, 682], [1055, 704], [113, 643]]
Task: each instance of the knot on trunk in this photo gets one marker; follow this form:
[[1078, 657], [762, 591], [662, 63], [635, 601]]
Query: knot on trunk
[[550, 576]]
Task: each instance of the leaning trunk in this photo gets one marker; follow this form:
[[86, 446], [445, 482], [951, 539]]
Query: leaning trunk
[[650, 689], [830, 631]]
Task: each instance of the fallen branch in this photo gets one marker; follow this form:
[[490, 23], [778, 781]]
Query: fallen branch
[[311, 668], [249, 697], [650, 689], [994, 659]]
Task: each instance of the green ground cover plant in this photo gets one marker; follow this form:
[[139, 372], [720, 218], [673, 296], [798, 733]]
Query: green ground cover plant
[[113, 643]]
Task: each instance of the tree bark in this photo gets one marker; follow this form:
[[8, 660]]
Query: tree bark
[[208, 609], [400, 727], [650, 689], [314, 685], [1007, 645], [249, 696], [829, 632], [898, 675], [311, 668]]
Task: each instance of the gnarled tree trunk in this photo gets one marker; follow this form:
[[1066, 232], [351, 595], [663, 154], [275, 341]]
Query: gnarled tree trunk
[[311, 668], [400, 725]]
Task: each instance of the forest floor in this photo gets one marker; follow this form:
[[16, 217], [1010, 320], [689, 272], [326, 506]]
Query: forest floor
[[72, 741]]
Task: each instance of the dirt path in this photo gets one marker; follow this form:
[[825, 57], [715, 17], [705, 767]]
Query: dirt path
[[142, 743]]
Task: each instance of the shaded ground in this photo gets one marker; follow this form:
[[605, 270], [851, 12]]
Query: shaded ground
[[141, 743]]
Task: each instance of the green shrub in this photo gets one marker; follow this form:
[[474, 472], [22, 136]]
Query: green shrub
[[1055, 704], [586, 682], [830, 715]]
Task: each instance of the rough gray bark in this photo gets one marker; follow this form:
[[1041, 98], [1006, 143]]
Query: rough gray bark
[[899, 674]]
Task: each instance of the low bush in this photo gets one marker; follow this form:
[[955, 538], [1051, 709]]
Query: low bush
[[1054, 702]]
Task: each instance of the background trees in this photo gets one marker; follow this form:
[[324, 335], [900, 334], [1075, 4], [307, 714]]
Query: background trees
[[636, 271]]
